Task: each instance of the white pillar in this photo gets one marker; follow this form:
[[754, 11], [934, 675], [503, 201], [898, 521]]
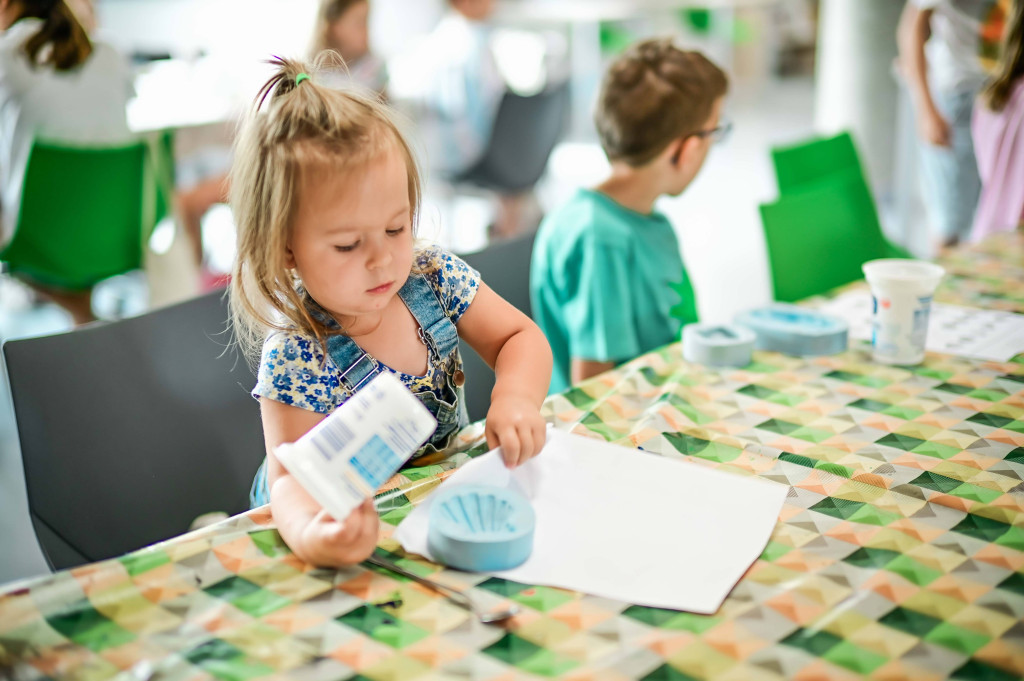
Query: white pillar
[[855, 88]]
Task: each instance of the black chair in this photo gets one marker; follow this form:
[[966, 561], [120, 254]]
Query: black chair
[[132, 429], [525, 132], [505, 266]]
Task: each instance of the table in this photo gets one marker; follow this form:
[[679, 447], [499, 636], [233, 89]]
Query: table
[[898, 554]]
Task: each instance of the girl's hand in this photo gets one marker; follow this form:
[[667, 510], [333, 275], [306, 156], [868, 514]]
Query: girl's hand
[[514, 424], [934, 129], [327, 543]]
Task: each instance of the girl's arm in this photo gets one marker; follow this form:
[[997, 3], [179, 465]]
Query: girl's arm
[[516, 349], [912, 34], [309, 531]]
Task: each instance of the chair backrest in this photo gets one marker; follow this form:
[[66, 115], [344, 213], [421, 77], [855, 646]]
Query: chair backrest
[[85, 214], [805, 164], [130, 430], [525, 132], [818, 238], [505, 267]]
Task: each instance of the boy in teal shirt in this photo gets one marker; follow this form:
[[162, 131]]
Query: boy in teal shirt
[[606, 267]]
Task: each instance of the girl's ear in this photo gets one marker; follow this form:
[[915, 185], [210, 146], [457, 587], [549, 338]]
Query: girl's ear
[[289, 257]]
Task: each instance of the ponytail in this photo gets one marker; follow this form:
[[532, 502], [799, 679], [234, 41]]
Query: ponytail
[[1011, 62], [69, 45]]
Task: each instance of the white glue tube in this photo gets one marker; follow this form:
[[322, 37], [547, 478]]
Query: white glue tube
[[346, 457]]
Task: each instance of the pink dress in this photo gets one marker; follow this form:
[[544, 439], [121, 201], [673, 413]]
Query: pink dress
[[999, 148]]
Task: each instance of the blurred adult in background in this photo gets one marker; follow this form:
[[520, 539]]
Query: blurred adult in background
[[343, 26], [55, 84], [943, 45], [998, 129]]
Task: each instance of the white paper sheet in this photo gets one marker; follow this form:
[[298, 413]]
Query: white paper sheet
[[624, 524], [952, 329]]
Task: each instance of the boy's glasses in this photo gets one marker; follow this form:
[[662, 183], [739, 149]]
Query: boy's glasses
[[717, 134]]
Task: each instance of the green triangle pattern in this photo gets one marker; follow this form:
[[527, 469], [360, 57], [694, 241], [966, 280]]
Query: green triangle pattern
[[988, 395], [870, 405], [225, 661], [383, 627], [798, 459], [758, 391], [909, 621], [815, 435], [777, 426], [872, 515], [578, 398], [954, 388], [901, 412], [774, 551], [687, 409], [867, 557], [834, 468], [667, 672], [261, 602], [980, 527], [542, 598], [687, 445], [269, 542], [1013, 539], [935, 449], [956, 638], [817, 644], [973, 670], [913, 571], [837, 507], [143, 561], [976, 493], [937, 374], [594, 424], [854, 658], [503, 587], [986, 419], [936, 481], [1015, 455], [512, 649], [87, 627], [904, 442], [1014, 583]]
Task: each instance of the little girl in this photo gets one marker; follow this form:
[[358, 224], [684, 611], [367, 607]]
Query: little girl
[[343, 26], [326, 193]]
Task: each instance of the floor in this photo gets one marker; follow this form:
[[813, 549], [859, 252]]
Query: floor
[[717, 220]]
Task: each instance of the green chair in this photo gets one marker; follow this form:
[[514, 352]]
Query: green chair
[[818, 238], [86, 213], [807, 164]]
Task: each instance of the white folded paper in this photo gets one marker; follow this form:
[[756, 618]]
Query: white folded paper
[[625, 524]]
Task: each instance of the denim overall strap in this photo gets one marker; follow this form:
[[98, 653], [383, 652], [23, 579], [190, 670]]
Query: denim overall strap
[[421, 300], [355, 365]]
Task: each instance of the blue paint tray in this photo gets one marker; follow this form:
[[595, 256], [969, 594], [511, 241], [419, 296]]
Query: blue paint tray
[[795, 330], [480, 528], [718, 345]]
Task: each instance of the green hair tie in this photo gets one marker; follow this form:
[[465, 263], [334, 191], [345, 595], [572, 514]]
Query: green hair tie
[[301, 77]]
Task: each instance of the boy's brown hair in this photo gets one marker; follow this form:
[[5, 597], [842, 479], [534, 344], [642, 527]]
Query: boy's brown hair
[[652, 94]]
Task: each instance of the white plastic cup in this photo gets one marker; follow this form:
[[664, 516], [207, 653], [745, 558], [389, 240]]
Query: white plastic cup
[[902, 291]]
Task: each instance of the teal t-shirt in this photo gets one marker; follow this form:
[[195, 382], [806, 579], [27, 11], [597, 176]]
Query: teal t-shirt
[[601, 283]]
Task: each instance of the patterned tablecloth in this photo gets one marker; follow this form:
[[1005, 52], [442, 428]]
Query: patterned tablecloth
[[898, 554]]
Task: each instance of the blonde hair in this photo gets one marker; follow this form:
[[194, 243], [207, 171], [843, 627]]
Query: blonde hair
[[652, 94], [327, 13], [296, 131], [1011, 60]]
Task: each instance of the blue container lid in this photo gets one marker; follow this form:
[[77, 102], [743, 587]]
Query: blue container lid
[[480, 528], [795, 330]]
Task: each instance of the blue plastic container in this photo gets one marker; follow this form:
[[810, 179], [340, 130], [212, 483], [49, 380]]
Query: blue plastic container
[[480, 528], [796, 330]]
